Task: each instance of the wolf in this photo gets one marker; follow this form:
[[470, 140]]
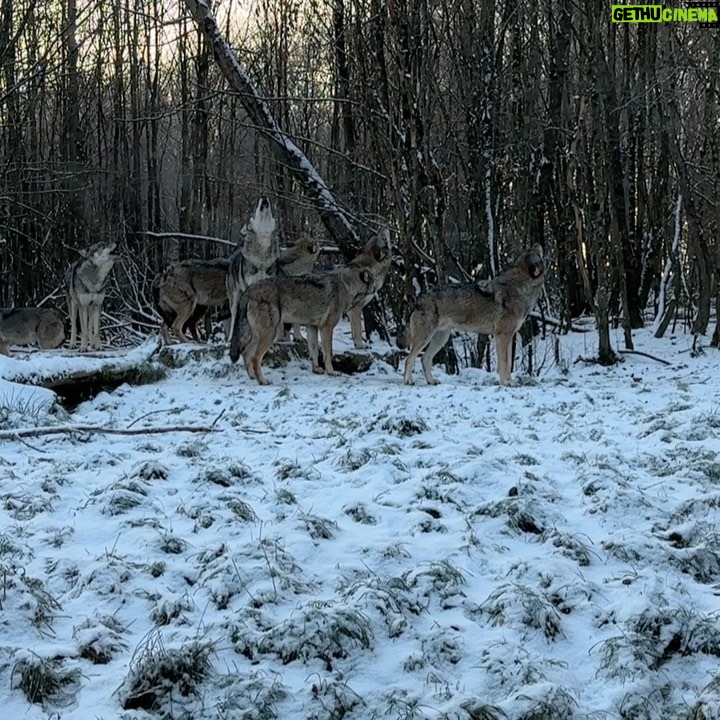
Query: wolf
[[495, 307], [184, 292], [317, 301], [298, 259], [85, 281], [30, 326], [376, 257], [255, 258]]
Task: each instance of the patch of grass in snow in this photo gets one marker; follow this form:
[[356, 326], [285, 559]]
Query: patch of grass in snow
[[520, 514], [100, 639], [249, 696], [555, 703], [164, 681], [512, 604], [336, 699], [241, 510], [45, 681], [25, 506], [150, 470], [315, 631], [171, 610], [359, 513], [390, 597], [441, 580], [651, 639], [319, 528], [287, 469]]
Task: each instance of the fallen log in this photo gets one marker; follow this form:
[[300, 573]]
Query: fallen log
[[75, 377]]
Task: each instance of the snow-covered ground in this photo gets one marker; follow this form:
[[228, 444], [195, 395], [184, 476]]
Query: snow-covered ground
[[351, 547]]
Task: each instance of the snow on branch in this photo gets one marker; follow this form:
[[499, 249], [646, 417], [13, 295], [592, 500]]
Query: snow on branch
[[338, 220]]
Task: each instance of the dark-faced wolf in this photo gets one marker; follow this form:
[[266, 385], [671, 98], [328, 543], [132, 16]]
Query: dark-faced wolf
[[376, 257], [298, 259], [317, 301], [85, 283], [30, 326], [185, 291], [256, 256], [496, 307]]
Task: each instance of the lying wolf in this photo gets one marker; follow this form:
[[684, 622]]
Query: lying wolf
[[495, 307], [30, 326], [317, 301]]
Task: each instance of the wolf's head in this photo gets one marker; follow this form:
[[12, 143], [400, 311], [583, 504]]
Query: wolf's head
[[262, 223], [532, 262], [100, 253]]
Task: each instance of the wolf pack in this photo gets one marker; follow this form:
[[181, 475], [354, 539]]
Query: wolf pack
[[268, 291]]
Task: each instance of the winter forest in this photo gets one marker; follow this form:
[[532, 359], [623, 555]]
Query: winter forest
[[471, 129]]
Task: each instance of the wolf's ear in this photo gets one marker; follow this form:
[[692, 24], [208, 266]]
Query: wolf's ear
[[83, 252], [537, 248], [365, 276]]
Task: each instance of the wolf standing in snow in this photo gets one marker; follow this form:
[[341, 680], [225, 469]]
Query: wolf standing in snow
[[317, 301], [495, 307], [85, 282], [255, 258]]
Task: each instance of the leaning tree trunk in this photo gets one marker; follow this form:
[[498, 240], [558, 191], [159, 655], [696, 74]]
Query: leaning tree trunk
[[338, 220]]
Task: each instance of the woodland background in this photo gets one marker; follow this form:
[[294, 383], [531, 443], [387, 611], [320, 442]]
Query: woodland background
[[472, 129]]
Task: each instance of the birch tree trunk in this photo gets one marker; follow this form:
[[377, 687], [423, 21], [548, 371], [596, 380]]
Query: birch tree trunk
[[338, 220]]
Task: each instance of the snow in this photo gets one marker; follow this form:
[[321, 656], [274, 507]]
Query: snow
[[352, 543]]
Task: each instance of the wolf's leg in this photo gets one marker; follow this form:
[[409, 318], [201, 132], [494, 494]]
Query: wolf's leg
[[84, 311], [262, 346], [183, 313], [355, 317], [72, 310], [437, 341], [327, 338], [312, 339], [417, 337], [95, 310], [503, 345]]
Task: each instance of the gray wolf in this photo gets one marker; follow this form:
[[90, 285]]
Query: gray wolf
[[495, 307], [298, 259], [317, 301], [184, 292], [256, 256], [85, 281], [376, 257], [30, 326]]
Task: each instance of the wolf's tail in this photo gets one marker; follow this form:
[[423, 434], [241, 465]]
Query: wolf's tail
[[240, 331]]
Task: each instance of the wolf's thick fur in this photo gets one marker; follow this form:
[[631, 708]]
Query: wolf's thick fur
[[316, 301], [30, 326], [185, 291], [376, 257], [85, 282], [256, 256], [495, 307], [298, 259]]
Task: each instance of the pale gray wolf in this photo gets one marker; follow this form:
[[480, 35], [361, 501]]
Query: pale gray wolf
[[185, 291], [256, 256], [317, 301], [376, 257], [495, 307], [85, 282], [30, 326], [298, 259]]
